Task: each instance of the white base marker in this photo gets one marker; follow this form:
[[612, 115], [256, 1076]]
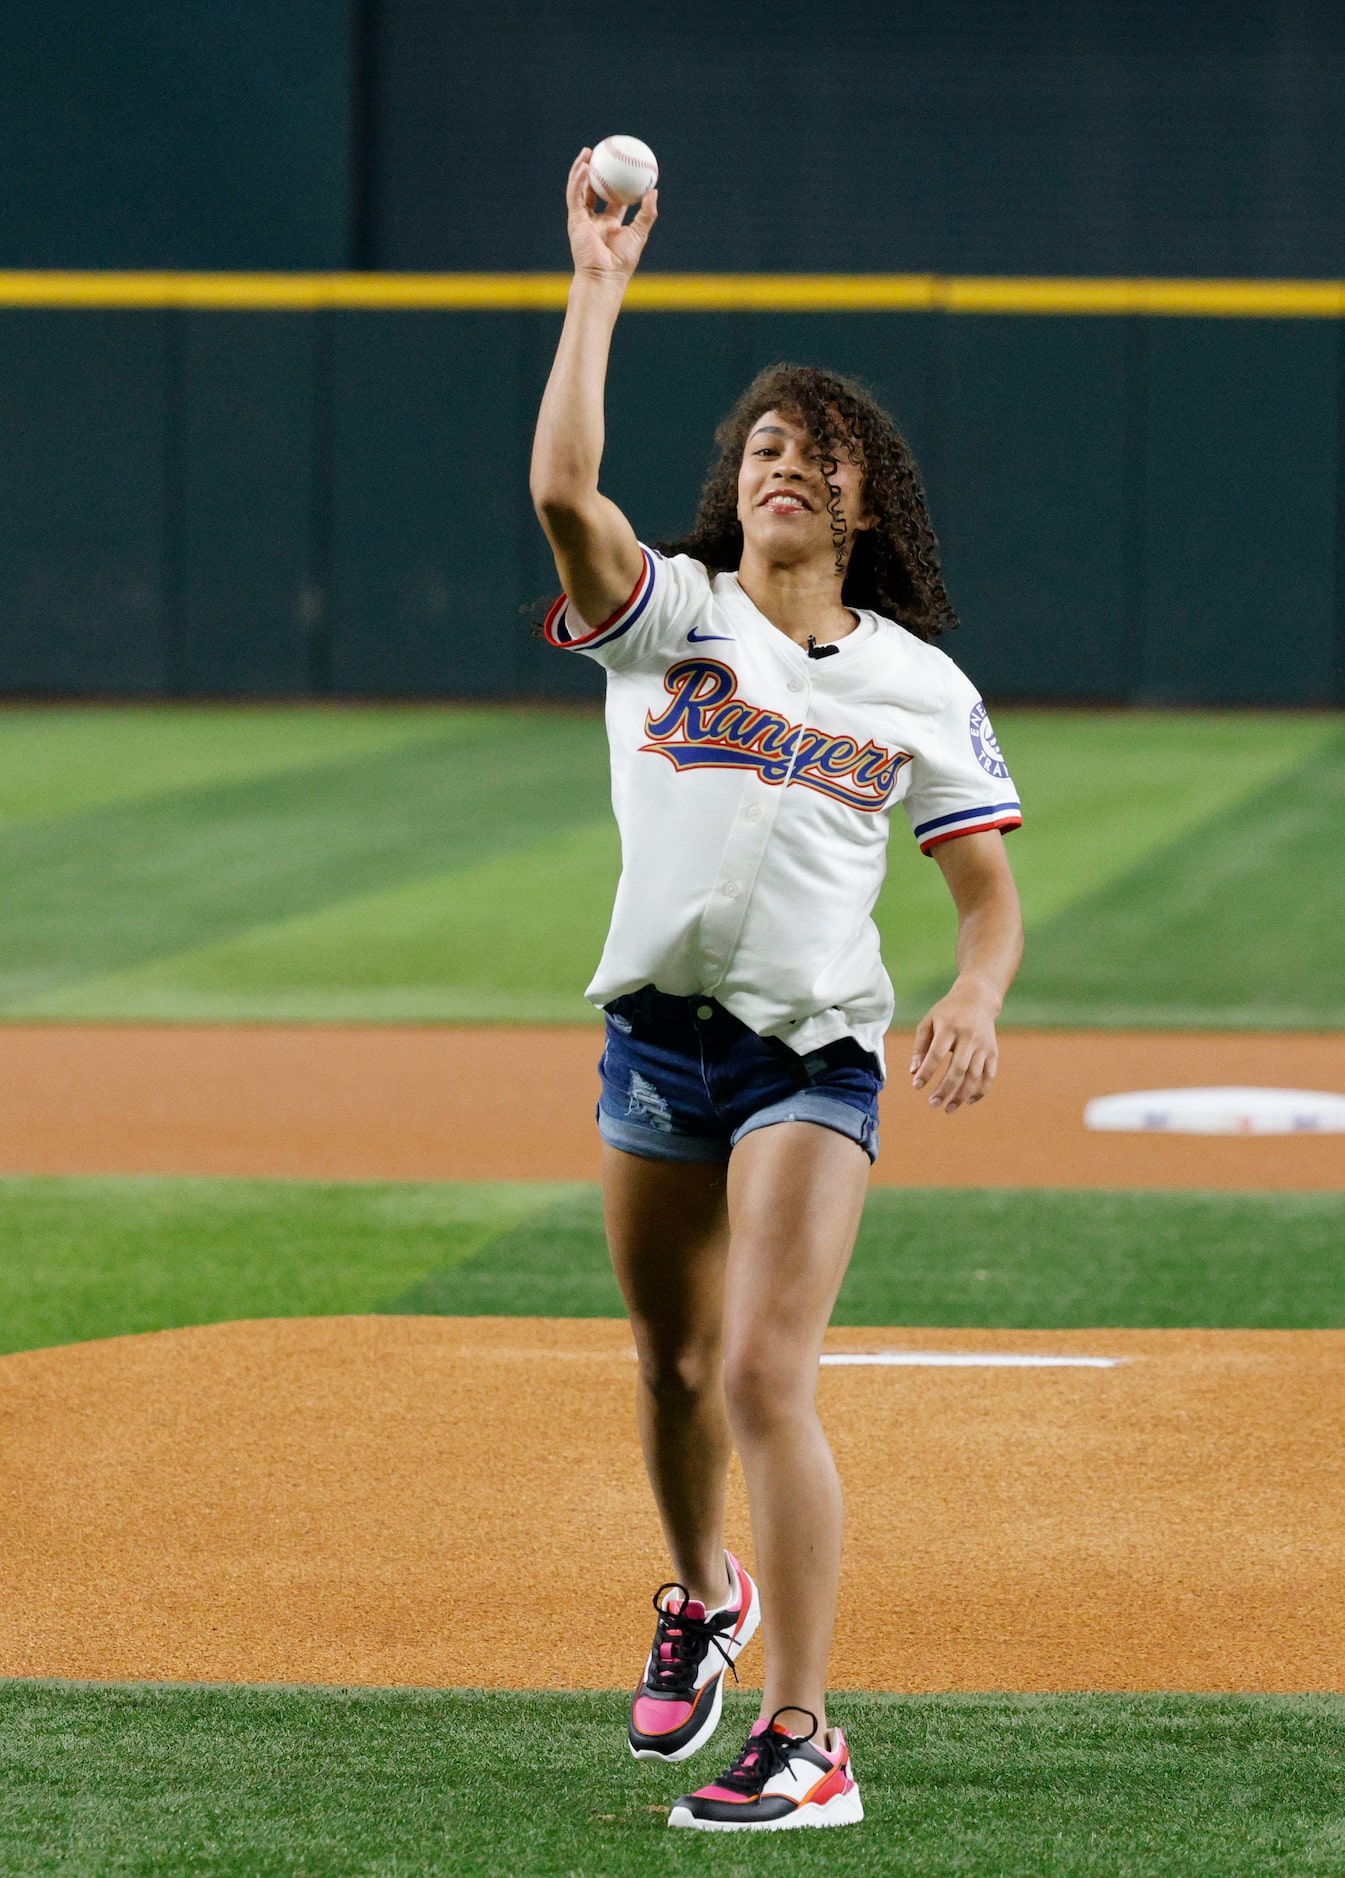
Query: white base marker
[[1218, 1111], [969, 1359]]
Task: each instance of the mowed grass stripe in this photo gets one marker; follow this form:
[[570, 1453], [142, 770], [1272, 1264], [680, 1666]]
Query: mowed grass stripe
[[147, 880], [515, 938], [512, 937], [253, 1780], [987, 1258], [1238, 923], [471, 878], [88, 1258], [1102, 792], [106, 1257], [78, 759]]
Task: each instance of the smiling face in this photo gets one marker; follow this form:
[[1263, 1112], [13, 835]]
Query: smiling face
[[783, 499]]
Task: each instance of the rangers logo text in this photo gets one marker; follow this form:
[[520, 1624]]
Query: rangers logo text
[[708, 726]]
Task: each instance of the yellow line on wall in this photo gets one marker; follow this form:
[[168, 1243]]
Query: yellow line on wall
[[685, 293]]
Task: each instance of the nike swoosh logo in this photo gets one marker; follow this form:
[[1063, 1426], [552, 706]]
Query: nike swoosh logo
[[696, 639]]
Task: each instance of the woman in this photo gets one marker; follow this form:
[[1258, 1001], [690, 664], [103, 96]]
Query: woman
[[771, 693]]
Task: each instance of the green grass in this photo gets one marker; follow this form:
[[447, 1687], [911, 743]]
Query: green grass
[[997, 1259], [511, 937], [107, 1257], [68, 761], [1026, 1259], [1103, 795], [254, 1782], [150, 878], [1238, 923], [458, 864]]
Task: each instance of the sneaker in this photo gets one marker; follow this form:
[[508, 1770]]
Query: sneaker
[[778, 1781], [676, 1708]]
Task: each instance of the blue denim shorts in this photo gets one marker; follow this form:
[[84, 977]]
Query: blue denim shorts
[[685, 1080]]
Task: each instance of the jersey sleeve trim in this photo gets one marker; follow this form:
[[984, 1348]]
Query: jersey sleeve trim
[[1003, 815], [556, 627]]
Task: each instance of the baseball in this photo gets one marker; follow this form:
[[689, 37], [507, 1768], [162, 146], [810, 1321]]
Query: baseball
[[621, 169]]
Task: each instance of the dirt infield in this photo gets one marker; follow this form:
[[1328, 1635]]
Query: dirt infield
[[510, 1104], [460, 1502]]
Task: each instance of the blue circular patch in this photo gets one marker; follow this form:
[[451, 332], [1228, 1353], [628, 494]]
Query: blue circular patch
[[984, 743]]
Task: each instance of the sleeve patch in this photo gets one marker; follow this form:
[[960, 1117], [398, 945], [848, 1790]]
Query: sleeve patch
[[985, 745]]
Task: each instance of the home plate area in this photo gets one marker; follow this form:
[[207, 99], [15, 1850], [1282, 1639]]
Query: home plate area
[[460, 1502]]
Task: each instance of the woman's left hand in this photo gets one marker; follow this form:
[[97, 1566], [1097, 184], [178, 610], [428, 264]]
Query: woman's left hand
[[956, 1042]]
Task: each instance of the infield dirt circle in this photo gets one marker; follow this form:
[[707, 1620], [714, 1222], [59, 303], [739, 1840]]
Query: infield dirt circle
[[460, 1502]]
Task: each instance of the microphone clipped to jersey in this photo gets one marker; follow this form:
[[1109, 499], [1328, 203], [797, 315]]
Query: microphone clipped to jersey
[[816, 651]]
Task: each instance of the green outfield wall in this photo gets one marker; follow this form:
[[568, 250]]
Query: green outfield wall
[[246, 479], [201, 133], [219, 486]]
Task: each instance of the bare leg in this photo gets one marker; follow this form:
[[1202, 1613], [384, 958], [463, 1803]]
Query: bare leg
[[796, 1193], [667, 1229]]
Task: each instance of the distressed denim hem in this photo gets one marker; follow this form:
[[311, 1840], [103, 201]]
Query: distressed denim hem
[[825, 1111]]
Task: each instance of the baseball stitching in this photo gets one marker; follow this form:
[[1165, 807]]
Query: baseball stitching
[[636, 162]]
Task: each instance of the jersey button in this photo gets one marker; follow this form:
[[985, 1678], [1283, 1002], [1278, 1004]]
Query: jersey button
[[731, 889], [796, 684], [754, 813], [704, 1011]]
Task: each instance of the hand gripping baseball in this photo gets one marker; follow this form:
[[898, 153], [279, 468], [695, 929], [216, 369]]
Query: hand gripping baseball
[[602, 245]]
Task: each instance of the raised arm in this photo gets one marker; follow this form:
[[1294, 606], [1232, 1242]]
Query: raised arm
[[597, 555], [955, 1043]]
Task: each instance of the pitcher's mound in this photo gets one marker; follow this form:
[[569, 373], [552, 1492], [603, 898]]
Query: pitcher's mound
[[461, 1502]]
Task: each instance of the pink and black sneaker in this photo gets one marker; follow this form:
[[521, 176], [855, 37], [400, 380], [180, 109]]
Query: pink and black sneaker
[[779, 1781], [676, 1708]]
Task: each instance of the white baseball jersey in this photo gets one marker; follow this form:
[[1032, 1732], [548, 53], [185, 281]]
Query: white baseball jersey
[[752, 787]]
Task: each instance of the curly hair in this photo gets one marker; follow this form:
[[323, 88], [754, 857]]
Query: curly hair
[[894, 565]]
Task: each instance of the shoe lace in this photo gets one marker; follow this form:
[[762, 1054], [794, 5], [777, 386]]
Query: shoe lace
[[764, 1755], [685, 1640]]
